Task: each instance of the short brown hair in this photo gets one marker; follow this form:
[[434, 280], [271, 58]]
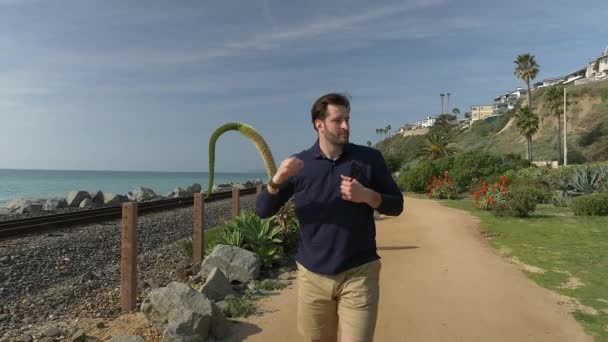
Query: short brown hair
[[319, 108]]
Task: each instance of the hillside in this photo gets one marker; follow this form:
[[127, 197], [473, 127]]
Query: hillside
[[587, 130]]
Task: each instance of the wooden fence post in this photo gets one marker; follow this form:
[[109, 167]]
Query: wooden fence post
[[235, 201], [128, 257], [258, 188], [198, 243]]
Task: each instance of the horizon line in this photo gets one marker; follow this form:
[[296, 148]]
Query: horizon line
[[149, 171]]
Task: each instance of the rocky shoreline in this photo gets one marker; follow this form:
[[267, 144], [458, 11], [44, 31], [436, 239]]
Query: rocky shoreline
[[73, 273], [83, 200]]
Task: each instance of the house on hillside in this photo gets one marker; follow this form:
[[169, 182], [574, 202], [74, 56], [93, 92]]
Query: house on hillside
[[428, 122], [506, 102], [480, 112], [547, 82], [405, 128], [598, 68], [575, 76]]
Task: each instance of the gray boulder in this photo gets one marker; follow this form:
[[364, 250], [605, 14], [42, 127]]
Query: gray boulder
[[127, 339], [55, 203], [249, 184], [236, 263], [217, 286], [25, 205], [5, 211], [97, 197], [143, 194], [113, 199], [182, 312], [177, 192], [86, 203], [76, 197], [194, 188]]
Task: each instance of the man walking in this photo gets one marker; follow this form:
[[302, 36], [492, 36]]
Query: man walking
[[336, 186]]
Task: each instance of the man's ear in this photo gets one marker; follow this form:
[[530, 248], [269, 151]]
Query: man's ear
[[318, 124]]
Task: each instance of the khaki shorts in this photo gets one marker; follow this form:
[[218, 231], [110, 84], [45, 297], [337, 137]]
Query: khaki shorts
[[350, 298]]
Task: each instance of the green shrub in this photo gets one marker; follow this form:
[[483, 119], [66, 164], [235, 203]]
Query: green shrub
[[414, 177], [239, 307], [287, 220], [186, 248], [393, 163], [442, 187], [519, 203], [590, 205], [268, 285], [576, 157], [476, 164]]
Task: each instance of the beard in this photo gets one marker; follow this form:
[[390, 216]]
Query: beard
[[336, 138]]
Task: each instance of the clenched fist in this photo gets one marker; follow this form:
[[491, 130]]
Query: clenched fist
[[353, 191], [289, 167]]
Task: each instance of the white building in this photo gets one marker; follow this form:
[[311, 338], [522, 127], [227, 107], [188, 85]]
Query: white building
[[506, 102], [598, 68], [428, 122]]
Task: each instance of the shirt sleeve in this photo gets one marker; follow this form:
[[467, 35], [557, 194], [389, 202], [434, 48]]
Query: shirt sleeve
[[268, 204], [384, 184]]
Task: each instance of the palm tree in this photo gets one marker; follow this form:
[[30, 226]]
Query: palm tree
[[555, 106], [456, 111], [388, 128], [526, 69], [448, 105], [436, 146], [369, 143], [442, 95], [526, 122]]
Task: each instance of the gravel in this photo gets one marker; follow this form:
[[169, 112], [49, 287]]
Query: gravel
[[75, 272]]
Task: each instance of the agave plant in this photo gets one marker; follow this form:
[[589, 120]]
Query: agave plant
[[250, 232], [264, 238], [586, 181], [561, 198]]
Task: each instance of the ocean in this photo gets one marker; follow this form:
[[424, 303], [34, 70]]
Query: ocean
[[56, 183]]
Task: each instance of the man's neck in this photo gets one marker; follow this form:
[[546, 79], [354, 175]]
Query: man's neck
[[329, 150]]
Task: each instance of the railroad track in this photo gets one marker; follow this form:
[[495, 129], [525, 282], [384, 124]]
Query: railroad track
[[53, 221]]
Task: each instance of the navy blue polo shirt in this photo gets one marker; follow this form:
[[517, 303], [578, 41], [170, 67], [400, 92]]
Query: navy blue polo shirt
[[335, 234]]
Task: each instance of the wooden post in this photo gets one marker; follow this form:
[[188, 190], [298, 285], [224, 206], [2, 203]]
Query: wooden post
[[235, 201], [258, 188], [128, 257], [198, 243]]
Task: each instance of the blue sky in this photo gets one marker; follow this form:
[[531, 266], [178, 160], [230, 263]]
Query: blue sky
[[141, 85]]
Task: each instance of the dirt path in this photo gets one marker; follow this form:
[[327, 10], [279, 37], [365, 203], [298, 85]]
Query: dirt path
[[440, 282]]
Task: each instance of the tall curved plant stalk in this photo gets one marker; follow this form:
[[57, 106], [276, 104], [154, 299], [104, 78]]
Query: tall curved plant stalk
[[250, 133]]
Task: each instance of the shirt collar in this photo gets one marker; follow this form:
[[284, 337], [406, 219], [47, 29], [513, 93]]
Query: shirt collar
[[316, 152]]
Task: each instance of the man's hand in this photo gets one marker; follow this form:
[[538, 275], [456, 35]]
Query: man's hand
[[289, 167], [355, 192]]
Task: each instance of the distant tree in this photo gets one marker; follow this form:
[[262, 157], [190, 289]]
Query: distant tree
[[437, 146], [527, 123], [467, 115], [554, 100], [456, 111], [526, 69], [369, 143], [388, 129], [445, 119]]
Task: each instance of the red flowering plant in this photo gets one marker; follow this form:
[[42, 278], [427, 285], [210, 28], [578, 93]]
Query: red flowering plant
[[441, 187], [488, 195]]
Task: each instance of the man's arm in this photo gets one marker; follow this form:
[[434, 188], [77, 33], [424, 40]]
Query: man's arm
[[386, 196], [270, 200]]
